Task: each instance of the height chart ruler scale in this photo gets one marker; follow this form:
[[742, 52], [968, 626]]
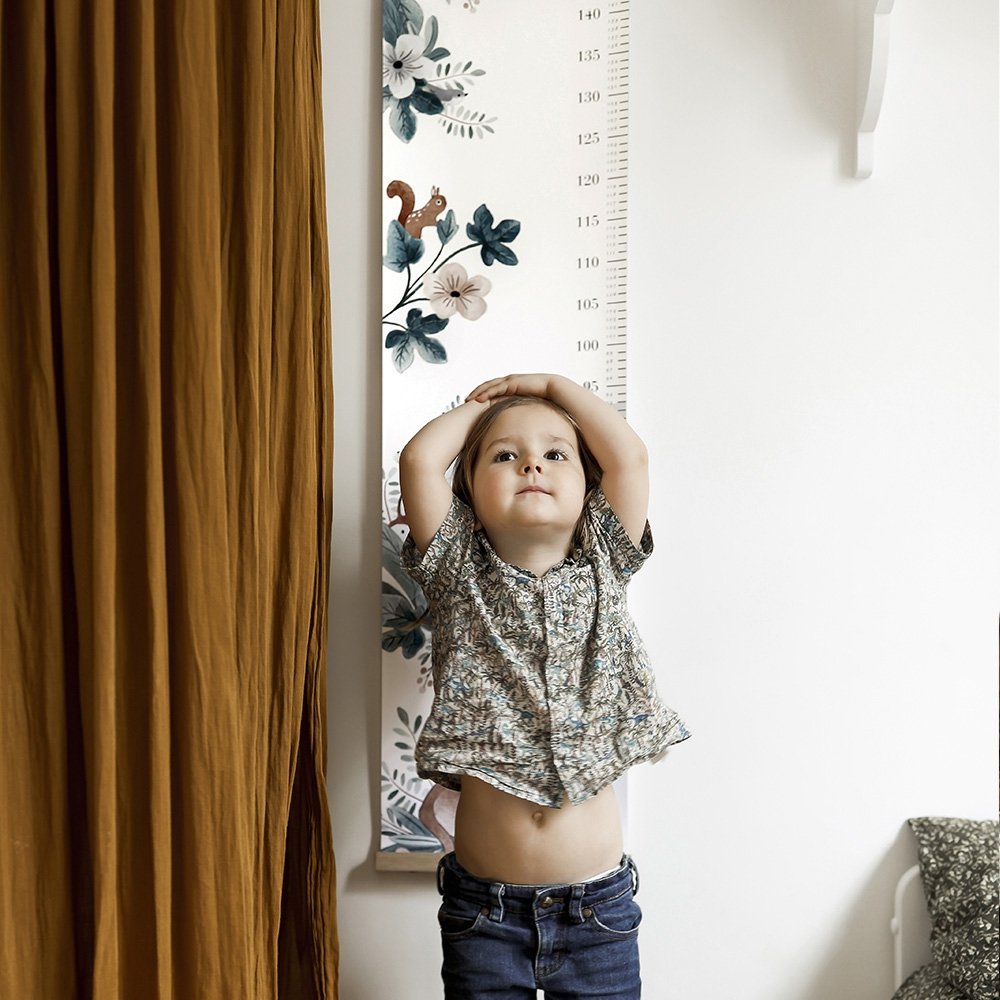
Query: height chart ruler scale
[[603, 58], [505, 249], [604, 48], [616, 270]]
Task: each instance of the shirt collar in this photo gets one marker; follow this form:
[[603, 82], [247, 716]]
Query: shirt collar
[[512, 569]]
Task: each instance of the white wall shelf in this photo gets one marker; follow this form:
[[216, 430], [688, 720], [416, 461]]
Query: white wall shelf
[[873, 60]]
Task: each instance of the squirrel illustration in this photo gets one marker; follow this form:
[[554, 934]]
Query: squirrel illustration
[[414, 222]]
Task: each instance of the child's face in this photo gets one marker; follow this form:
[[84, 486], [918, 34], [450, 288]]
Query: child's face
[[529, 474]]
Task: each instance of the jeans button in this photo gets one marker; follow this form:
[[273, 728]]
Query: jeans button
[[485, 911], [547, 902], [587, 912]]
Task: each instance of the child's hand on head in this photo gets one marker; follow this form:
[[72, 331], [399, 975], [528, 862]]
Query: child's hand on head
[[511, 385]]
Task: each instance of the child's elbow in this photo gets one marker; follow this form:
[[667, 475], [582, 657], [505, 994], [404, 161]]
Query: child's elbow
[[633, 458], [630, 462], [410, 463]]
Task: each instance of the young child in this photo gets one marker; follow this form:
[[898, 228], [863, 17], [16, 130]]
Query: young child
[[543, 690]]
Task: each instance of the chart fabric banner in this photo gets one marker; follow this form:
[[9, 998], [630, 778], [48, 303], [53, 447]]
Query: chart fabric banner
[[505, 181]]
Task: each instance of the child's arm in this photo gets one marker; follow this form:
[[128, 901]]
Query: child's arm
[[617, 448], [422, 467]]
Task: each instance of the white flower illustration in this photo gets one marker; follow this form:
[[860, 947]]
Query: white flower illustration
[[402, 64], [453, 291]]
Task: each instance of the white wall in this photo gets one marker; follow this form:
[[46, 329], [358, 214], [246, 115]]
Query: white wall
[[813, 361]]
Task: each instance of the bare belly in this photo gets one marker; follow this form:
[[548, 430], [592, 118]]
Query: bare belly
[[507, 839]]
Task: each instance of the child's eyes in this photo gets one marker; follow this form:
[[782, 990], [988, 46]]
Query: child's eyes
[[555, 455]]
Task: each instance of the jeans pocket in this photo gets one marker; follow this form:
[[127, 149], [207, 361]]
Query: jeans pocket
[[620, 916], [458, 917]]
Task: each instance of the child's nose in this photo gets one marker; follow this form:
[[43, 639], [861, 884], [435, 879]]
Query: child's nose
[[537, 467]]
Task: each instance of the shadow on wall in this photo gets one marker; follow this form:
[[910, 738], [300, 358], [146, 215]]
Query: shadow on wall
[[355, 660], [818, 41], [856, 963]]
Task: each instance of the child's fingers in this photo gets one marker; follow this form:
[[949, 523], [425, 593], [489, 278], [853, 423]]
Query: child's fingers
[[510, 385], [477, 394], [488, 390]]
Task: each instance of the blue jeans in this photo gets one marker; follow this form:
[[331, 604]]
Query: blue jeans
[[502, 942]]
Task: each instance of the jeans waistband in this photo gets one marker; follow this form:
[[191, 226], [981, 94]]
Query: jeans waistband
[[453, 880]]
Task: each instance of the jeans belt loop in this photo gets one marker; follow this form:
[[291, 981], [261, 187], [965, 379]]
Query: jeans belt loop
[[496, 902], [440, 876], [576, 903], [635, 876]]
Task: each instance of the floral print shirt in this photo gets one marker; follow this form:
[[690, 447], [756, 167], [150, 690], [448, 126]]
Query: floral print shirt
[[542, 686]]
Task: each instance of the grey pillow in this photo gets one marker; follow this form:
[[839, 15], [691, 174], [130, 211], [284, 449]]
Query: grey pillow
[[959, 861]]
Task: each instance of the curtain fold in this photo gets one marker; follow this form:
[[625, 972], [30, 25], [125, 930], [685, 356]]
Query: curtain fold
[[165, 502]]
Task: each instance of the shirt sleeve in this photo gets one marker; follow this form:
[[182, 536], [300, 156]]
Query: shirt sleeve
[[437, 569], [612, 540]]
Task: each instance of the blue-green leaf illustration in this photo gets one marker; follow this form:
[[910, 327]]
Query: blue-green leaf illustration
[[405, 793], [400, 17], [431, 351], [438, 53], [431, 31], [402, 354], [406, 617], [406, 831], [452, 81], [397, 612], [425, 102], [507, 230], [410, 642], [414, 15], [498, 252], [400, 618], [408, 821], [404, 343], [391, 551], [481, 228], [492, 239], [406, 785], [402, 120], [401, 248], [402, 626], [447, 227], [418, 323], [392, 26]]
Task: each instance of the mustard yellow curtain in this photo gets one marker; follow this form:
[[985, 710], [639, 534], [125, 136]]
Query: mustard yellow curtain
[[165, 502]]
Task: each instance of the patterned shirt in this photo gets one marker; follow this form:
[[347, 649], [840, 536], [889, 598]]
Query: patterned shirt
[[542, 686]]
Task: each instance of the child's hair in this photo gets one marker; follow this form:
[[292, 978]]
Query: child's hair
[[465, 462]]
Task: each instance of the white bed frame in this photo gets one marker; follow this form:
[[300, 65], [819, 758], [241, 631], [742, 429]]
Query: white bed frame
[[910, 926]]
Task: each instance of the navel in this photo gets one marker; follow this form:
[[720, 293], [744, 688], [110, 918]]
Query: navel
[[538, 816]]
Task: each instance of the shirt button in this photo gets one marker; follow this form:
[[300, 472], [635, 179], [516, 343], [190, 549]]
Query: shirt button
[[547, 902]]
